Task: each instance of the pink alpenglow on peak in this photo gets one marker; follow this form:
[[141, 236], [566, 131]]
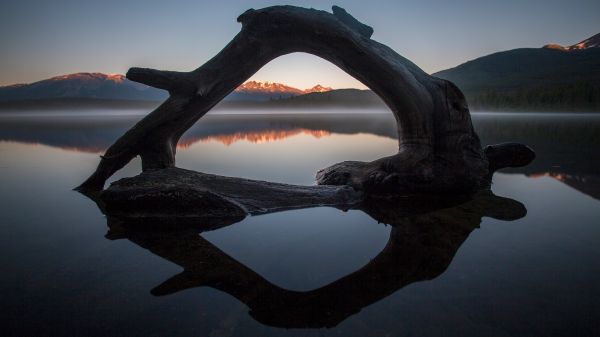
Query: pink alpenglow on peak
[[117, 86], [272, 87], [592, 42], [117, 78], [318, 88]]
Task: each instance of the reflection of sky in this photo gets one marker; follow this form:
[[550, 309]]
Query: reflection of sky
[[340, 243]]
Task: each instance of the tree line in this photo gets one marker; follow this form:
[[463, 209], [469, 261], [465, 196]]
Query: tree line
[[581, 96]]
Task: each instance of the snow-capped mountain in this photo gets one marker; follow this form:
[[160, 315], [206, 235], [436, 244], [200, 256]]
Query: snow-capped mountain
[[116, 86], [553, 78], [592, 42], [82, 85], [264, 91]]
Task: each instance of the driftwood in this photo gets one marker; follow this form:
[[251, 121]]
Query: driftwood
[[422, 243], [438, 149], [174, 197]]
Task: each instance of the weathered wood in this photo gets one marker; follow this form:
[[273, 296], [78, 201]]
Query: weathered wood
[[174, 197], [438, 149], [508, 155]]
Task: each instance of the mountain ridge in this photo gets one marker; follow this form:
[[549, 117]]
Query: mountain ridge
[[552, 77], [592, 42], [538, 79], [118, 87]]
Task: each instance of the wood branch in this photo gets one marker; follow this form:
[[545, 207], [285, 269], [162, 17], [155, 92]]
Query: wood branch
[[172, 81], [438, 149], [508, 155], [351, 22], [174, 197]]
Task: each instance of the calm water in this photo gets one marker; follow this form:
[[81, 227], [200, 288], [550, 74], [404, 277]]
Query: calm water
[[460, 271]]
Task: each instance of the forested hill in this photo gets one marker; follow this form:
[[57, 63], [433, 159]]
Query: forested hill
[[548, 78]]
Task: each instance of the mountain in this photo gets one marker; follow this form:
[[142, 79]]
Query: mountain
[[82, 85], [551, 78], [97, 86], [592, 42], [548, 78], [265, 91]]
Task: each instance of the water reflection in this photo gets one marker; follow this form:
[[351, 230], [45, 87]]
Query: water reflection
[[586, 184], [535, 276], [567, 145], [252, 137], [425, 237], [95, 133]]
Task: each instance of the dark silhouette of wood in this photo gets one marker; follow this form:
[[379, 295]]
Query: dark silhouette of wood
[[425, 236], [174, 197], [438, 149]]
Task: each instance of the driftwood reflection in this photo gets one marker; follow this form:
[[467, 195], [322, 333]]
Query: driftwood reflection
[[426, 235]]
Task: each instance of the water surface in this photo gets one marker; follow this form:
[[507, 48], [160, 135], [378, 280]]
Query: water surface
[[524, 266]]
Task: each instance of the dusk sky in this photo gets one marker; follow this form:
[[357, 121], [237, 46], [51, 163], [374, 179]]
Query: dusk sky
[[41, 39]]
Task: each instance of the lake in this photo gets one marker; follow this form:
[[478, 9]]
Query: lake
[[525, 264]]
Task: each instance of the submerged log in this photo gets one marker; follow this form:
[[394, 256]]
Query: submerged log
[[438, 149], [175, 197]]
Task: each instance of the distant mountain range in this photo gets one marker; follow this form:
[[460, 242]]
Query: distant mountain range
[[265, 91], [592, 42], [98, 86], [549, 78], [82, 85]]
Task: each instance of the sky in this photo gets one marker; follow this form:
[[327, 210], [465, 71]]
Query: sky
[[41, 39]]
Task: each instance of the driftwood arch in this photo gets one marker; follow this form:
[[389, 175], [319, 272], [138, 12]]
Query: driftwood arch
[[438, 148]]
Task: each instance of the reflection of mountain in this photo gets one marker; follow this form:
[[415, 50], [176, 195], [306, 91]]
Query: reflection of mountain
[[253, 137], [565, 145], [421, 246], [91, 135], [587, 184], [95, 134]]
